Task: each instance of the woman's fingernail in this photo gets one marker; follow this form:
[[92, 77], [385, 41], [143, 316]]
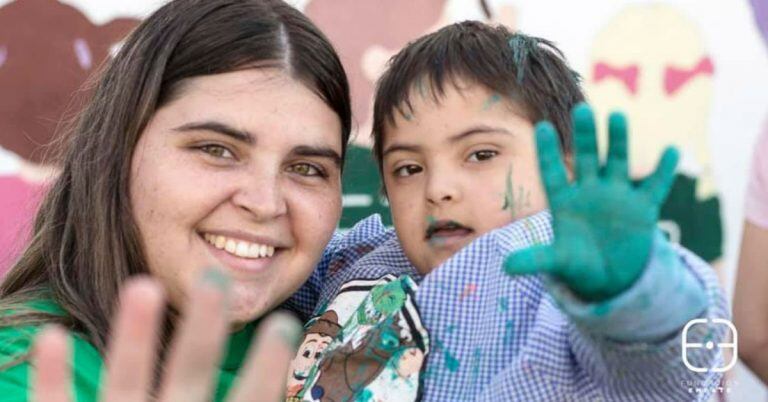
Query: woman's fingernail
[[285, 327]]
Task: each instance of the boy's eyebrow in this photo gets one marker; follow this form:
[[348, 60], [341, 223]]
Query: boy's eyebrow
[[401, 147], [480, 129], [218, 127], [322, 152]]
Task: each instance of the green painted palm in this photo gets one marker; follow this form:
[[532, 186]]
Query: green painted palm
[[603, 224]]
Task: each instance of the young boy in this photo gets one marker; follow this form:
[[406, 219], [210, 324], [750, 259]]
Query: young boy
[[479, 196]]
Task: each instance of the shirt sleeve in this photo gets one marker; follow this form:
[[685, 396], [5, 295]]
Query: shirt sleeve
[[364, 235], [665, 297], [756, 208]]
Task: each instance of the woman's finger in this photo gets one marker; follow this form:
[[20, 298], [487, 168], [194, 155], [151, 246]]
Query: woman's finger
[[263, 376], [197, 349], [52, 381], [134, 340]]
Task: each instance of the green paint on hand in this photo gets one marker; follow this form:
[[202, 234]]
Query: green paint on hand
[[364, 396]]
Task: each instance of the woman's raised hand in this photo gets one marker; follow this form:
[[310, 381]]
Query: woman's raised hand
[[190, 371]]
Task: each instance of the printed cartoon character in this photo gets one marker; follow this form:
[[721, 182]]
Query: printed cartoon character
[[47, 50], [374, 352], [317, 337], [352, 371], [663, 82]]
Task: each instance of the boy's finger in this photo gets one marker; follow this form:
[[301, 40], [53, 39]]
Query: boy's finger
[[532, 260], [199, 342], [134, 340], [585, 142], [52, 381], [553, 174], [658, 184], [616, 165], [265, 371]]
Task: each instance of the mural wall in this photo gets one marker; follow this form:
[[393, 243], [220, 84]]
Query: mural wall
[[689, 73]]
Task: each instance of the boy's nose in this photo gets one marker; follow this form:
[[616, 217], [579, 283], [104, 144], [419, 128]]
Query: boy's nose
[[441, 190]]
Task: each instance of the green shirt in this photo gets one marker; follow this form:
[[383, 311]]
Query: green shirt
[[18, 341]]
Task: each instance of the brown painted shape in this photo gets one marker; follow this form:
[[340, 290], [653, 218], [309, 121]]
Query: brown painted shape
[[41, 69]]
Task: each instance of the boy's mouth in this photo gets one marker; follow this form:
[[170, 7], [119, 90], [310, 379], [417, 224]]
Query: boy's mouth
[[446, 228]]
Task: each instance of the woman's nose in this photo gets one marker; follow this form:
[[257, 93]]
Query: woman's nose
[[262, 197]]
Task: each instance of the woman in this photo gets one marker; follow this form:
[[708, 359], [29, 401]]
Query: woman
[[214, 138]]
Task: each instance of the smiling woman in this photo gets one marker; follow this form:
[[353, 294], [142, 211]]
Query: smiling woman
[[214, 138]]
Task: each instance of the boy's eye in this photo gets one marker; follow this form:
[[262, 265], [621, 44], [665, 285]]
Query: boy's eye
[[407, 170], [217, 151], [482, 155], [306, 169]]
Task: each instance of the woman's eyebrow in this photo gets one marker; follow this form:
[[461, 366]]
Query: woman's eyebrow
[[218, 127], [322, 152]]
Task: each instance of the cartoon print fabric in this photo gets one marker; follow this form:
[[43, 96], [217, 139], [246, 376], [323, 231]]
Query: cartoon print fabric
[[369, 344]]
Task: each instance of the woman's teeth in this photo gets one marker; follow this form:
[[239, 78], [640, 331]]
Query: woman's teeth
[[240, 248]]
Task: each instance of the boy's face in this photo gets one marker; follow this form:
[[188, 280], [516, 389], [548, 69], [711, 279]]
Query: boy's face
[[456, 169]]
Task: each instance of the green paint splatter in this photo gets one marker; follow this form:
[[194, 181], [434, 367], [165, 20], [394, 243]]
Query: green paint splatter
[[407, 116], [364, 396], [509, 332], [451, 362], [431, 219], [503, 304], [450, 329], [492, 100]]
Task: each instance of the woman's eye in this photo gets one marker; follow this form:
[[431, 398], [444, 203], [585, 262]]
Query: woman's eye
[[217, 151], [482, 155], [407, 170], [305, 169]]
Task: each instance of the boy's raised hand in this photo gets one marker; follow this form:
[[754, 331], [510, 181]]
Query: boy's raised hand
[[603, 224]]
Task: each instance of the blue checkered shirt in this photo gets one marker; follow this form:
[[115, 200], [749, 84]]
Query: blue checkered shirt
[[509, 335]]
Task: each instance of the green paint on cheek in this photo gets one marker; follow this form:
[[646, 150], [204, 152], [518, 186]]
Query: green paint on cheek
[[492, 100], [431, 219]]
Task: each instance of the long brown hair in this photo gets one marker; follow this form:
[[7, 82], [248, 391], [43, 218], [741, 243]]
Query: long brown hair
[[85, 242]]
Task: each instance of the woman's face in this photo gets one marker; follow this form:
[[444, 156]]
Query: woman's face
[[239, 171]]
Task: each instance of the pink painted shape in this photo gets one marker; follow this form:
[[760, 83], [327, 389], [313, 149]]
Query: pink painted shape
[[675, 78], [19, 200], [627, 75]]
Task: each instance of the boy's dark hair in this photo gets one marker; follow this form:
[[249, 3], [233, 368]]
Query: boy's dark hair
[[528, 71]]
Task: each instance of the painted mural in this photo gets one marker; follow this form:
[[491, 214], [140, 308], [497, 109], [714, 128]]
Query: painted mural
[[47, 51]]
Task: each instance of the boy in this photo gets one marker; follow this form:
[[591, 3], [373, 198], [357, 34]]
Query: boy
[[454, 139]]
